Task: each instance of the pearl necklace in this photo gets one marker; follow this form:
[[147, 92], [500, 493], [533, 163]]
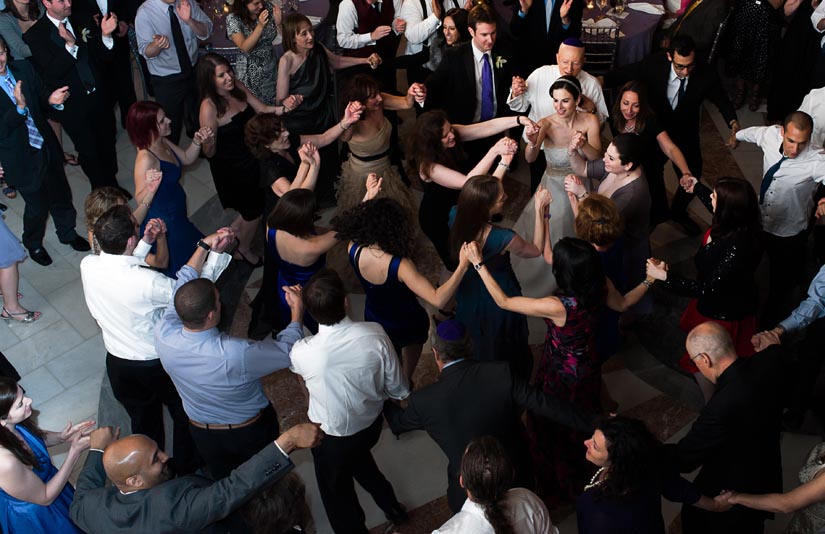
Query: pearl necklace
[[595, 481]]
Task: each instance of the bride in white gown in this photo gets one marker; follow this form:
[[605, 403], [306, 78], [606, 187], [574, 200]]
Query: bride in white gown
[[555, 131]]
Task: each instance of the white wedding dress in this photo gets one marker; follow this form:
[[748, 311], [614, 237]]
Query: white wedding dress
[[534, 275]]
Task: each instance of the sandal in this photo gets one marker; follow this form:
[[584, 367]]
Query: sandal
[[27, 316], [70, 159], [19, 296]]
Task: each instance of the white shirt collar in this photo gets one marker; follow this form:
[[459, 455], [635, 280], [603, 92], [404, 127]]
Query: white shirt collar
[[343, 322], [57, 22], [672, 75], [478, 53]]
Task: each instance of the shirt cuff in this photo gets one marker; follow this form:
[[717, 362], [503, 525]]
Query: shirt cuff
[[101, 450], [72, 50], [280, 449], [565, 26], [108, 42], [24, 111], [520, 14], [142, 250], [788, 325]]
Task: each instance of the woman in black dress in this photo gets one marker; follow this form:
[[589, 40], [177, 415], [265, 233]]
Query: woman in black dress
[[752, 52]]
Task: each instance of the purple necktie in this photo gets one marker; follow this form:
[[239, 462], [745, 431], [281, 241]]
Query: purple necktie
[[487, 108]]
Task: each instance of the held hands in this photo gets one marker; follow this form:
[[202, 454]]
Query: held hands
[[303, 436], [505, 147], [352, 113], [374, 60], [291, 102], [418, 92], [263, 18], [160, 41], [656, 269], [688, 182], [153, 229], [373, 186], [573, 184], [518, 86], [542, 200], [65, 34], [531, 129], [763, 340], [472, 251], [204, 135], [733, 142], [292, 294], [308, 154], [380, 32], [103, 437], [725, 500], [184, 9], [108, 25], [220, 240], [577, 142], [820, 208], [399, 25]]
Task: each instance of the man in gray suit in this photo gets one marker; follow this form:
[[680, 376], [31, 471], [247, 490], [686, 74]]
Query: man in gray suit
[[144, 499]]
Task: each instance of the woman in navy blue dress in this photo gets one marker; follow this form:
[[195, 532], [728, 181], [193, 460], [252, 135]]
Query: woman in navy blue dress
[[148, 128], [381, 242], [34, 494]]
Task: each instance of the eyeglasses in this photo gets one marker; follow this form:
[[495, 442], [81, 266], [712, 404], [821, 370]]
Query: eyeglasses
[[677, 66]]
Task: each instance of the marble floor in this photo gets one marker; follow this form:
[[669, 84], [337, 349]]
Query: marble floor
[[61, 356]]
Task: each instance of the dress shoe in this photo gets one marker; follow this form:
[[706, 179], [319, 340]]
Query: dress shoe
[[39, 255], [398, 514], [79, 244], [688, 225], [3, 207]]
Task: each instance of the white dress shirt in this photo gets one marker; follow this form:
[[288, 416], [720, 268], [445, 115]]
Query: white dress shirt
[[537, 96], [350, 369], [108, 42], [477, 59], [347, 24], [816, 17], [526, 512], [673, 83], [814, 105], [789, 200], [127, 299]]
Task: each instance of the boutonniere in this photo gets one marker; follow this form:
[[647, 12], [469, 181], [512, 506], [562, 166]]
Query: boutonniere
[[84, 34], [500, 61]]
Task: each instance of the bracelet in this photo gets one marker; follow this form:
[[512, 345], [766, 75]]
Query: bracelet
[[147, 204], [204, 245], [518, 120], [547, 215], [582, 196], [478, 265], [341, 124], [196, 143], [502, 164], [647, 283]]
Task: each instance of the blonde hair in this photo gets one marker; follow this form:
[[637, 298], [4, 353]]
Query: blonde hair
[[598, 221]]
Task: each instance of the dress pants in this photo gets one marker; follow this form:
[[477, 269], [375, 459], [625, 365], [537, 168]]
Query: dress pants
[[787, 262], [224, 450], [52, 196], [143, 387], [91, 126], [339, 460], [802, 387], [736, 520], [119, 83], [178, 95]]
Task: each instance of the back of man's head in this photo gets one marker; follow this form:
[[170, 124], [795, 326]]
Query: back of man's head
[[325, 298], [711, 339], [125, 462], [114, 228], [451, 341], [194, 301]]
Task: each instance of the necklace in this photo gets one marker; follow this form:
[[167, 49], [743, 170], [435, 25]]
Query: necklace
[[630, 129], [595, 481]]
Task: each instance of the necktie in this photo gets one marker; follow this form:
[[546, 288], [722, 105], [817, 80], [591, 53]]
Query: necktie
[[487, 111], [70, 32], [548, 13], [180, 44], [377, 6], [35, 139], [768, 179], [682, 82]]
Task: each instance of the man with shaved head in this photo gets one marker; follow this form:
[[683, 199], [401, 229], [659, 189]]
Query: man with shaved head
[[145, 498], [735, 440]]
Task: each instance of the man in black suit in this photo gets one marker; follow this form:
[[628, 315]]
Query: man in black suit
[[70, 52], [472, 399], [120, 87], [735, 440], [677, 86], [144, 498], [32, 157], [541, 26]]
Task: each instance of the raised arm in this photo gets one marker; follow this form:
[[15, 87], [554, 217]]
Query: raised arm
[[673, 153], [352, 113], [621, 303], [418, 284], [480, 130]]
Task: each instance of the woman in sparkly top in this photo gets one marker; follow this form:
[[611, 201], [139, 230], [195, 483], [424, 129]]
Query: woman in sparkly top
[[724, 290], [625, 494]]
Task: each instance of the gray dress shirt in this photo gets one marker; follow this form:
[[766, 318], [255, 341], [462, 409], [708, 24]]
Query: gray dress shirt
[[153, 19]]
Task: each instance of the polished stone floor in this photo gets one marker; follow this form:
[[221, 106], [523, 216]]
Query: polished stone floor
[[61, 357]]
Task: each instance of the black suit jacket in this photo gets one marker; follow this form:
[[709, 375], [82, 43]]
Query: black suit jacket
[[701, 24], [186, 504], [735, 440], [682, 123], [22, 170], [473, 399], [536, 45], [452, 87]]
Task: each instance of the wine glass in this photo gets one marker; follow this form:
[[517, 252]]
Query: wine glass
[[620, 5], [602, 4], [590, 4]]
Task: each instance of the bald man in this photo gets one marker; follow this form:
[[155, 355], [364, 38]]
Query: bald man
[[144, 498], [735, 440]]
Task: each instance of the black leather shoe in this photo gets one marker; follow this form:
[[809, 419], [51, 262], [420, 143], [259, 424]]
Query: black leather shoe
[[79, 244], [688, 225], [3, 207], [398, 514], [39, 255]]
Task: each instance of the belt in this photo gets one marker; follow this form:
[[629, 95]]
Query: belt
[[209, 426]]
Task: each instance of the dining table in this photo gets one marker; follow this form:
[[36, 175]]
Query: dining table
[[637, 25]]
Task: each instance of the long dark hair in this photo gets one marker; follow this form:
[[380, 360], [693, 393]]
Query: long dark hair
[[32, 12], [295, 213], [241, 10], [425, 148], [380, 221], [487, 474], [280, 507], [477, 197], [459, 17], [207, 65], [8, 439], [645, 110], [359, 88], [634, 455], [737, 209], [579, 272]]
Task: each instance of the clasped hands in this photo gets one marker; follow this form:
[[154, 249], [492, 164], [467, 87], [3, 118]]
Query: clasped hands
[[657, 269], [220, 240], [155, 229], [417, 93]]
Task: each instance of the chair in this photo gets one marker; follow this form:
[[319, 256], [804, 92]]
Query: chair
[[720, 33], [233, 55], [600, 43]]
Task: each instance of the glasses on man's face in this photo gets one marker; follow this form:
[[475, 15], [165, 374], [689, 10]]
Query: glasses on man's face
[[680, 67]]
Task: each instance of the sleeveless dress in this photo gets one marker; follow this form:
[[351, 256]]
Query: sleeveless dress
[[21, 517], [11, 251], [169, 204], [369, 156], [290, 274], [535, 275], [569, 370], [811, 518], [497, 334], [261, 70], [393, 305], [234, 169]]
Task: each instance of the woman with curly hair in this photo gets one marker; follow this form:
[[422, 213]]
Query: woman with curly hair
[[625, 494], [381, 241], [493, 506]]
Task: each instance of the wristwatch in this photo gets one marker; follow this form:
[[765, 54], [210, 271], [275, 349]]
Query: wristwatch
[[478, 265], [204, 245]]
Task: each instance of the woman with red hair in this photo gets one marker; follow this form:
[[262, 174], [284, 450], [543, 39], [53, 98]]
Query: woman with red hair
[[160, 159]]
